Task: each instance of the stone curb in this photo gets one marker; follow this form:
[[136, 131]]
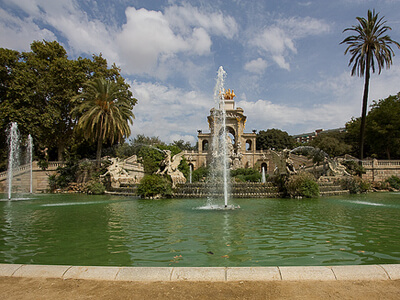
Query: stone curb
[[316, 273]]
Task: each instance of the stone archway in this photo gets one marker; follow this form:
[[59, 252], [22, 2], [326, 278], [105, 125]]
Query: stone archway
[[264, 166], [205, 145], [249, 145]]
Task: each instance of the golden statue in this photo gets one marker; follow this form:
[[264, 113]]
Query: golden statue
[[228, 95]]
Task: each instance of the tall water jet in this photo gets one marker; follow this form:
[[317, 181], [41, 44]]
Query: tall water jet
[[29, 150], [13, 154], [263, 179], [190, 173], [219, 162]]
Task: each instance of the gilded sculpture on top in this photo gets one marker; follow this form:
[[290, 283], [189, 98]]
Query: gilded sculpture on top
[[229, 95]]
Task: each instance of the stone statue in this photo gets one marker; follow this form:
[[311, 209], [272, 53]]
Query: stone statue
[[290, 169], [170, 167], [118, 175], [283, 162], [335, 168], [125, 172]]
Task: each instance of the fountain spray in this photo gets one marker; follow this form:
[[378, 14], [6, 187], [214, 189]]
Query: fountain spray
[[13, 146], [219, 146], [30, 154]]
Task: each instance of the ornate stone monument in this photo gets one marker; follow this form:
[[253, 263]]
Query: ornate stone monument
[[170, 165]]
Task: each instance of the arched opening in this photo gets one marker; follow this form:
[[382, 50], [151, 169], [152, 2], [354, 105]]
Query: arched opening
[[204, 146], [264, 166], [249, 145]]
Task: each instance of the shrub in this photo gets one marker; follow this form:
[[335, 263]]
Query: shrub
[[52, 183], [200, 174], [302, 185], [394, 182], [154, 186], [96, 188], [66, 174], [355, 184], [245, 175]]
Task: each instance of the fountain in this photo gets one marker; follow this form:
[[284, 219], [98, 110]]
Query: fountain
[[219, 179], [29, 155], [13, 156], [263, 179]]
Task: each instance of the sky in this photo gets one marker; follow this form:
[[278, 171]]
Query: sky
[[283, 58]]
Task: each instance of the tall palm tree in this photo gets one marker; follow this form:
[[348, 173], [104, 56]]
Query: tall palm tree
[[369, 48], [105, 108]]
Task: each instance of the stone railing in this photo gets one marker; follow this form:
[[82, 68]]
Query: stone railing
[[39, 176], [380, 170]]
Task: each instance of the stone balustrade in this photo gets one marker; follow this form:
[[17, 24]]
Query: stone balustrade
[[380, 170]]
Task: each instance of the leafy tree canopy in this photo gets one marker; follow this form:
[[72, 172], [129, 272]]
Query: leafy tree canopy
[[36, 89], [274, 139], [333, 143]]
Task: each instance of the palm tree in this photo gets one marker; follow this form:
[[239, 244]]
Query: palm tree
[[369, 47], [105, 108]]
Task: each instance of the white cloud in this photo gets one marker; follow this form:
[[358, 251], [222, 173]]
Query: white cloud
[[277, 41], [169, 113], [18, 34], [186, 16], [145, 44], [150, 39], [82, 35], [257, 66], [343, 91]]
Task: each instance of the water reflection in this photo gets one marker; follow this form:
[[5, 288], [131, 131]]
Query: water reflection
[[82, 230]]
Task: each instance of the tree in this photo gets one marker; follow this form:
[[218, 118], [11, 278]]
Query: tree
[[181, 144], [382, 130], [274, 139], [383, 127], [333, 143], [369, 46], [36, 89], [105, 109]]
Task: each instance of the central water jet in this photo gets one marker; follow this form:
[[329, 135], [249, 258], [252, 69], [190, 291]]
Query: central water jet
[[219, 175]]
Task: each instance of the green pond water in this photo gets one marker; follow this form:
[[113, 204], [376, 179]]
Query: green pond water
[[119, 231]]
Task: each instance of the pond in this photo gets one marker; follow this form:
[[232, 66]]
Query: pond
[[121, 231]]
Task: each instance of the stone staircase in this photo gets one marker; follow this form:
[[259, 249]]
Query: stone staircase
[[237, 190], [331, 188]]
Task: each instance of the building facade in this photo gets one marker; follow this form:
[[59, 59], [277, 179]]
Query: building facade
[[242, 151]]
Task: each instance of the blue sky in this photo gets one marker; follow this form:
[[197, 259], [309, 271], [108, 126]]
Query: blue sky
[[282, 58]]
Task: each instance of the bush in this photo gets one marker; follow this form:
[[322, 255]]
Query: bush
[[246, 175], [200, 174], [52, 183], [67, 174], [96, 188], [355, 185], [302, 185], [394, 182], [154, 186]]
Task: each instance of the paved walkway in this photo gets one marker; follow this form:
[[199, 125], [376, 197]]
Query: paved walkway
[[212, 274]]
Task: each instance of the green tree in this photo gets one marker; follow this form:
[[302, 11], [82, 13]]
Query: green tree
[[333, 143], [352, 137], [383, 127], [181, 144], [105, 110], [369, 48], [36, 89], [274, 139]]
